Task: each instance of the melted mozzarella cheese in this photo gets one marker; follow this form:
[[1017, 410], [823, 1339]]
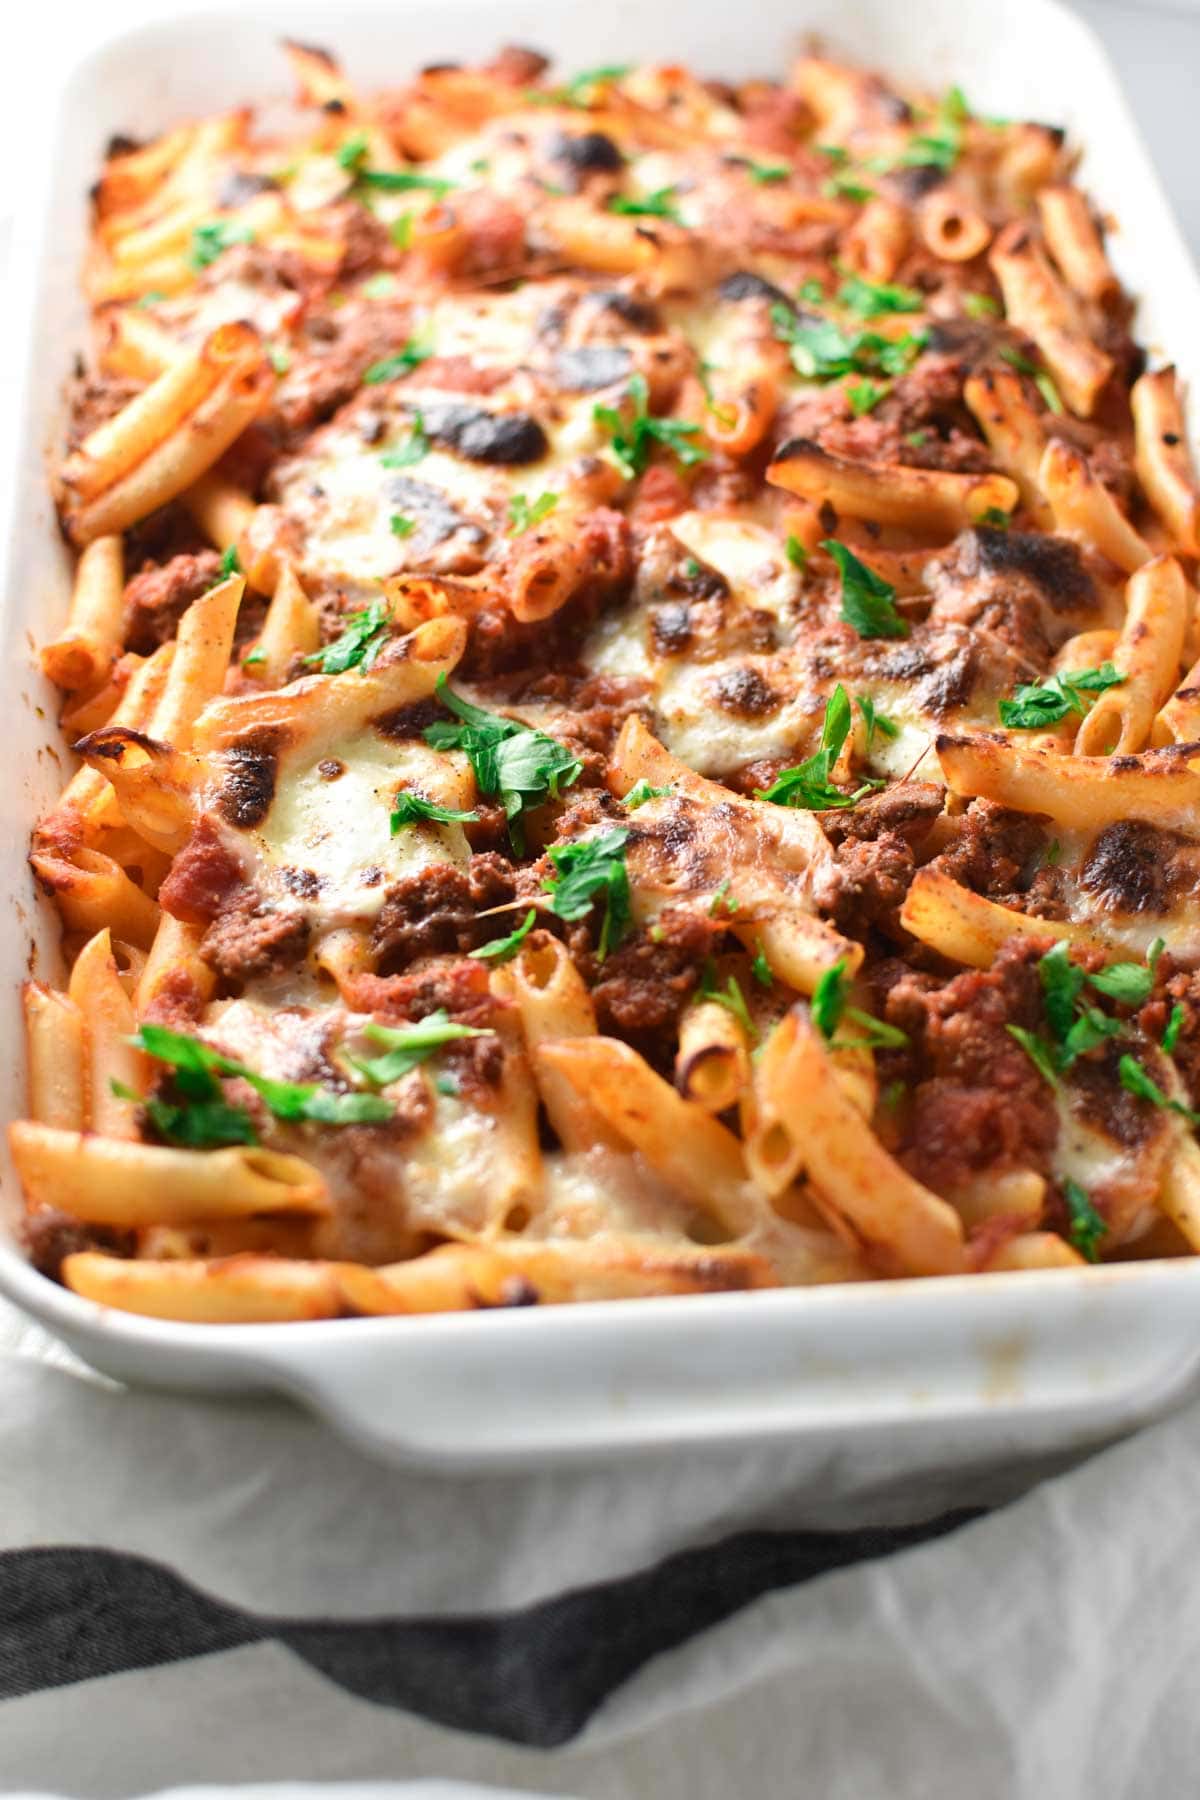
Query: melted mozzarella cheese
[[340, 829], [750, 557]]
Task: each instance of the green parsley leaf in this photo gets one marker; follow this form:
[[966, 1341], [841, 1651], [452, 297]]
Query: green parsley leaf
[[810, 292], [408, 1046], [414, 809], [1038, 705], [579, 91], [837, 154], [829, 999], [829, 1008], [414, 449], [721, 902], [658, 205], [402, 526], [230, 562], [405, 181], [1135, 1080], [730, 997], [863, 395], [1130, 983], [1062, 983], [1087, 1226], [995, 518], [916, 438], [1091, 1029], [1174, 1026], [1037, 1052], [352, 150], [197, 1067], [641, 791], [868, 602], [764, 173], [253, 657], [400, 231], [500, 949], [822, 351], [447, 1084], [279, 358], [871, 298], [523, 767], [523, 514], [760, 968], [151, 297], [1041, 381], [875, 720], [363, 637], [589, 870], [634, 432], [980, 306], [842, 185], [400, 362], [808, 785], [795, 552], [215, 236]]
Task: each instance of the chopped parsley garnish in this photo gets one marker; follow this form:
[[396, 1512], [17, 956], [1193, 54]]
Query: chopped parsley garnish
[[641, 791], [254, 657], [995, 517], [691, 569], [730, 997], [875, 720], [1037, 1052], [523, 514], [579, 91], [764, 173], [829, 1008], [414, 449], [215, 236], [203, 1118], [1129, 982], [400, 362], [400, 231], [279, 358], [407, 1046], [230, 562], [401, 525], [1087, 1226], [500, 949], [359, 644], [937, 148], [871, 298], [633, 437], [863, 395], [822, 351], [760, 968], [404, 181], [795, 552], [844, 185], [658, 205], [151, 297], [980, 306], [868, 601], [808, 786], [1175, 1024], [352, 151], [523, 767], [837, 154], [1135, 1080], [1036, 706], [916, 438], [721, 901], [810, 292], [414, 809], [591, 870], [1041, 381]]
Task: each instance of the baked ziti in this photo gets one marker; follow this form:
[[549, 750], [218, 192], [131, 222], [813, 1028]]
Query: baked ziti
[[633, 665]]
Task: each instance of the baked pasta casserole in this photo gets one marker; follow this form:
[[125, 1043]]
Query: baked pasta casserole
[[633, 666]]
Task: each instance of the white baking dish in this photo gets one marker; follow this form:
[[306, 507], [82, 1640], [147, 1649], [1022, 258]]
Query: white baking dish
[[1003, 1364]]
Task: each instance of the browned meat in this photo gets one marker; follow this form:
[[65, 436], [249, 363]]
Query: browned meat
[[250, 938], [995, 851], [643, 987], [978, 1101], [1026, 588], [203, 878], [157, 597], [460, 988], [93, 399], [52, 1235], [436, 912], [1179, 988], [334, 349], [176, 1002]]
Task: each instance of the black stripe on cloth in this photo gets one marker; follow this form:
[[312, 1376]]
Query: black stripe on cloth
[[533, 1676]]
